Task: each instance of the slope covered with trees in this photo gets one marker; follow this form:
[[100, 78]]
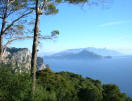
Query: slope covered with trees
[[51, 86]]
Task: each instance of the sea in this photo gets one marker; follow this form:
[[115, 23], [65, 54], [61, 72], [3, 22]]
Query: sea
[[117, 70]]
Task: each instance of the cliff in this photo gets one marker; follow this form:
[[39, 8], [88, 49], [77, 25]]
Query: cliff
[[21, 57]]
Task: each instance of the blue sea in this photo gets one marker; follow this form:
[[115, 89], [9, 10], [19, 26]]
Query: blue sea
[[117, 70]]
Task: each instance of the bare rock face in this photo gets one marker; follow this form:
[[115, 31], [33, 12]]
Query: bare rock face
[[21, 57], [40, 63]]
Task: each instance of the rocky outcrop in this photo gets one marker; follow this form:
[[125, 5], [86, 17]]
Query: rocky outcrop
[[21, 57], [40, 63]]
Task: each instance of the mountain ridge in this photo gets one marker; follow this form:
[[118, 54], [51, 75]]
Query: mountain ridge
[[79, 54], [99, 51]]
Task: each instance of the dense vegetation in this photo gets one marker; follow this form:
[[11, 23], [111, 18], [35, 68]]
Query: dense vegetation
[[61, 86]]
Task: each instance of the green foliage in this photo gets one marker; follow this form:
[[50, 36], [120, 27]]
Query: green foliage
[[55, 33], [61, 86], [18, 4], [14, 86], [51, 9], [128, 99], [112, 93], [43, 95]]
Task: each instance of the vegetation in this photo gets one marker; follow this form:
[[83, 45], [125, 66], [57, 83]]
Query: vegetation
[[12, 27], [61, 86], [43, 85], [13, 23]]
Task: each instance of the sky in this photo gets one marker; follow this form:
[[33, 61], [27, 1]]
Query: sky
[[105, 26]]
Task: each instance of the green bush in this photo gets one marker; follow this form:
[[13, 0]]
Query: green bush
[[112, 93], [14, 86]]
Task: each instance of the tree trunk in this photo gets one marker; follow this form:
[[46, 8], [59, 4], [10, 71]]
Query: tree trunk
[[1, 47], [2, 31], [34, 50]]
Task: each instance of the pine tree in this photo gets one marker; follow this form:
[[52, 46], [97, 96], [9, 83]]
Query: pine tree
[[11, 26], [47, 7]]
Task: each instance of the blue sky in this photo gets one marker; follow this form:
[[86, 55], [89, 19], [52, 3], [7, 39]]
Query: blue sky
[[95, 26]]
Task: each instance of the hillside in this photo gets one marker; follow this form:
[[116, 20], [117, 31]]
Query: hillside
[[56, 86], [79, 54]]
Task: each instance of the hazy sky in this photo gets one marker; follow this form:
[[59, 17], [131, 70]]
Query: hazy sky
[[94, 26]]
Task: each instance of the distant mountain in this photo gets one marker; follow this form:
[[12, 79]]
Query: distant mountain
[[99, 51], [78, 54], [104, 51], [89, 52]]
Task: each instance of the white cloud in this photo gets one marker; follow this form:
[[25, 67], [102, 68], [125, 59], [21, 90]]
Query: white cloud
[[112, 23]]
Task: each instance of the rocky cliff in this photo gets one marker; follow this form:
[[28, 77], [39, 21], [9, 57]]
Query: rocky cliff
[[21, 57]]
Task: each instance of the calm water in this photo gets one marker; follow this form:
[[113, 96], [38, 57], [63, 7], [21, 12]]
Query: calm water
[[115, 70]]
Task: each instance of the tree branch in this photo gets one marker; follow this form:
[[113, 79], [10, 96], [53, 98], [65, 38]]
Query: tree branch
[[26, 37], [17, 20], [16, 38], [46, 37]]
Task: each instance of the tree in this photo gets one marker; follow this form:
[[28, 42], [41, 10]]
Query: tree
[[40, 8], [11, 28], [112, 93], [47, 7]]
